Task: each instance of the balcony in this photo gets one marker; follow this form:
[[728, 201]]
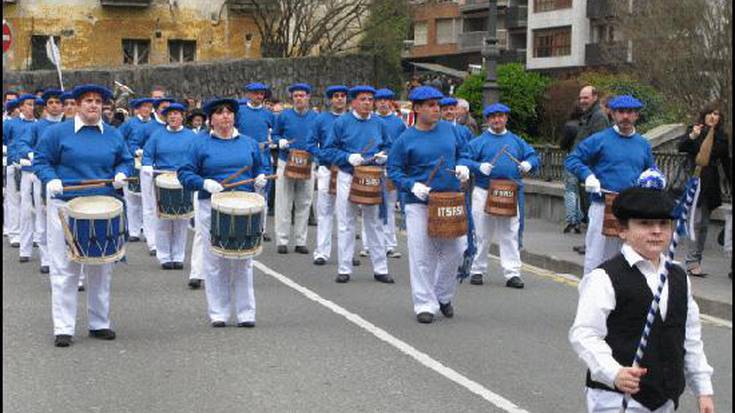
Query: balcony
[[480, 5], [126, 3], [470, 42], [605, 54], [600, 9], [512, 56], [243, 6], [516, 17]]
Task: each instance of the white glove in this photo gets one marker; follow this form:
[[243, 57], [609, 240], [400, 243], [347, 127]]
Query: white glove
[[260, 181], [30, 155], [355, 159], [462, 172], [421, 191], [283, 143], [146, 169], [381, 158], [5, 149], [25, 162], [486, 168], [139, 152], [212, 186], [120, 180], [524, 167], [54, 187], [592, 184]]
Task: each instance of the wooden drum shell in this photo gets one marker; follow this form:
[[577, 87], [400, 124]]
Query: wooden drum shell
[[298, 165], [502, 198], [366, 187], [610, 226], [447, 215]]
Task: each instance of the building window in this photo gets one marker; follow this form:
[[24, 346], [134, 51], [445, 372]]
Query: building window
[[475, 24], [549, 5], [446, 31], [552, 42], [180, 51], [136, 51], [420, 34], [39, 57]]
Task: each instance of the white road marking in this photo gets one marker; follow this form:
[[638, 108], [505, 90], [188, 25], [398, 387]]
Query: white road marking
[[401, 345]]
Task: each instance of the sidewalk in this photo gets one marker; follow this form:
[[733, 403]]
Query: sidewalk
[[547, 247]]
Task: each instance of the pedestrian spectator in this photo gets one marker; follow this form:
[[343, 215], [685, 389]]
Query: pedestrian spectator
[[464, 116], [573, 216], [706, 144]]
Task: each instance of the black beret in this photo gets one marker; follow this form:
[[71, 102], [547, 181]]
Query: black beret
[[643, 203]]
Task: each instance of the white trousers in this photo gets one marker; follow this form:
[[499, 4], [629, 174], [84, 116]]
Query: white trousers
[[433, 262], [41, 222], [324, 215], [30, 222], [346, 222], [171, 240], [504, 230], [134, 211], [390, 228], [64, 275], [296, 194], [222, 273], [197, 246], [147, 191], [11, 206], [598, 248], [604, 401]]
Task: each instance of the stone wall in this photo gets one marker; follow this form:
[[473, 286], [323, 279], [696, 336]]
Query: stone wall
[[224, 78]]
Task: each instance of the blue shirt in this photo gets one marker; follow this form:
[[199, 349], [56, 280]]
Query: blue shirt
[[322, 129], [168, 150], [616, 160], [129, 128], [255, 122], [486, 147], [394, 126], [211, 157], [299, 127], [30, 138], [416, 153], [140, 135], [88, 153], [13, 130], [352, 134]]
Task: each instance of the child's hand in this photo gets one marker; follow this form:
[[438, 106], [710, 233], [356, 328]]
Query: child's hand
[[628, 379]]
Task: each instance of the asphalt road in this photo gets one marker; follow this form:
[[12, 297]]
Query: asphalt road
[[318, 346]]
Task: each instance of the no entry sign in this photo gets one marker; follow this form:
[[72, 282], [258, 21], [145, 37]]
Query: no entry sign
[[7, 37]]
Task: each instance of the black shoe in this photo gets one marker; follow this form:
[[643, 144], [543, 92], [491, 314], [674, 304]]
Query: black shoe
[[247, 324], [577, 229], [24, 259], [35, 245], [44, 269], [392, 254], [568, 228], [301, 249], [476, 279], [178, 265], [312, 223], [218, 324], [62, 340], [425, 318], [167, 265], [81, 288], [282, 249], [103, 334], [580, 249], [15, 244], [384, 278], [133, 239], [152, 253], [342, 278], [266, 237], [514, 282], [447, 310], [320, 261], [195, 284], [355, 262]]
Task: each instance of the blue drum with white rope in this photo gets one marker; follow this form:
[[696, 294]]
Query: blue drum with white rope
[[172, 200], [237, 224], [95, 231]]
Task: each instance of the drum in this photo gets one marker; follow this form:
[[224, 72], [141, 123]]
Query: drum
[[298, 165], [610, 226], [502, 198], [366, 187], [172, 200], [95, 230], [447, 215], [333, 180], [237, 224], [134, 185]]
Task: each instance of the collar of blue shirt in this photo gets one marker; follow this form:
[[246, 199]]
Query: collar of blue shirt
[[78, 124], [357, 115]]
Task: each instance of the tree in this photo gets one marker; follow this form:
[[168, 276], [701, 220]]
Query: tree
[[385, 30]]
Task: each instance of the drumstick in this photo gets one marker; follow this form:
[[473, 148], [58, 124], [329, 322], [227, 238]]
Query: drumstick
[[607, 191], [434, 171], [497, 155], [368, 146], [512, 158], [106, 181], [235, 175], [84, 186], [246, 181]]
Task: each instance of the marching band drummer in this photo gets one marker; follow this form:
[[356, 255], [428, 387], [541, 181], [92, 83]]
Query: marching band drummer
[[433, 262], [355, 138], [167, 150], [82, 148], [448, 107], [210, 160], [483, 158], [70, 105]]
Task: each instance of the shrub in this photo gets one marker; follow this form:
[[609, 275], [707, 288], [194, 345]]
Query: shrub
[[557, 104]]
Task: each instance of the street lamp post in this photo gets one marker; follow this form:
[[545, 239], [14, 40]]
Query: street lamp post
[[490, 53]]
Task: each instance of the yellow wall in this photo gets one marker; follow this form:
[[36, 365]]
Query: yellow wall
[[91, 35]]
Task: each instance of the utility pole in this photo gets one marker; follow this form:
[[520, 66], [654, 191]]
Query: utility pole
[[490, 53]]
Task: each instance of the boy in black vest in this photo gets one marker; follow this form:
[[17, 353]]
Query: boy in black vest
[[614, 300]]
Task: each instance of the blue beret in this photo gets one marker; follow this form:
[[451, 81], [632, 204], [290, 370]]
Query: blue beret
[[331, 90], [624, 102], [213, 103], [135, 103], [39, 101], [80, 90], [11, 104], [25, 97], [384, 94], [174, 106], [356, 90], [495, 108], [49, 93], [300, 86], [157, 102], [422, 93], [66, 96], [256, 87], [448, 101]]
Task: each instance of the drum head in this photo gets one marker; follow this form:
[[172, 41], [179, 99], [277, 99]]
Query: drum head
[[138, 163], [94, 207], [238, 203], [168, 181]]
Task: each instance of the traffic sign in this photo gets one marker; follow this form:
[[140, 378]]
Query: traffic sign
[[7, 37]]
